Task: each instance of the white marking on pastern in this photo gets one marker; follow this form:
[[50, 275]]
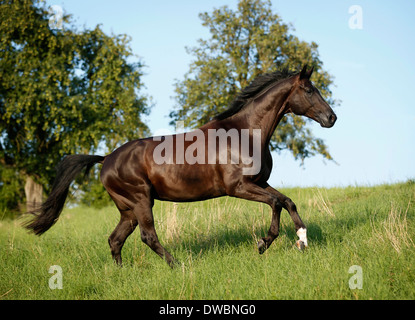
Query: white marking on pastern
[[302, 234]]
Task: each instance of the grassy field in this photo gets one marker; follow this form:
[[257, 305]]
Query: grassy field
[[369, 227]]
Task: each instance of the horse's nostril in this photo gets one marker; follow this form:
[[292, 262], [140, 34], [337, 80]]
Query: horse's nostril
[[332, 118]]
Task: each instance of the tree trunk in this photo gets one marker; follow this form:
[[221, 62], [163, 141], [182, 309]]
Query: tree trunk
[[34, 192]]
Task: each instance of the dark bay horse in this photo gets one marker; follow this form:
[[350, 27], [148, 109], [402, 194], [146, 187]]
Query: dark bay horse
[[228, 156]]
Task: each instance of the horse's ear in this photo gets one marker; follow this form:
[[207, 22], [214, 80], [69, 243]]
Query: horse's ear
[[310, 72], [303, 73]]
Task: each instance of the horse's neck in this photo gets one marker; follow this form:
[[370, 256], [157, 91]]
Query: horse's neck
[[267, 110]]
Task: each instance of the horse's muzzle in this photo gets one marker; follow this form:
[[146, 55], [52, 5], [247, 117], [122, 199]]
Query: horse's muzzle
[[328, 121]]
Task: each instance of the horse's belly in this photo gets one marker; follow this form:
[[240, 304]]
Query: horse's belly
[[181, 183]]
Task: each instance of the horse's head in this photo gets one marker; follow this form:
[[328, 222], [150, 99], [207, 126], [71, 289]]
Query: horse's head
[[306, 100]]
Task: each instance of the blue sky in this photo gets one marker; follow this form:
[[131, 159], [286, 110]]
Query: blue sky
[[373, 140]]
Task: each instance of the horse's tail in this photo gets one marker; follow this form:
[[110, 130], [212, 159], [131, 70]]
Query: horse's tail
[[48, 213]]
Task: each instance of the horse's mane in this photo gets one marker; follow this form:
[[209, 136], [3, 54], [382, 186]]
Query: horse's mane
[[252, 90]]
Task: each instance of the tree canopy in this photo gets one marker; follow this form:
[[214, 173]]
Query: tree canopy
[[62, 91], [245, 43]]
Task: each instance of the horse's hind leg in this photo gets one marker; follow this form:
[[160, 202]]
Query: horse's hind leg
[[145, 219], [125, 227]]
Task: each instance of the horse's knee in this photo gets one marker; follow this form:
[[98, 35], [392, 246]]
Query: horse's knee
[[276, 205], [290, 205]]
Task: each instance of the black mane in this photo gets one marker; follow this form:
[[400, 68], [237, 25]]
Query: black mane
[[252, 90]]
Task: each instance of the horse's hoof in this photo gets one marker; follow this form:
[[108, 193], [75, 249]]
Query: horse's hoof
[[174, 264], [300, 245], [261, 246]]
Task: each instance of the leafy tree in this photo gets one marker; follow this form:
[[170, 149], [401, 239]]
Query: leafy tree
[[244, 44], [11, 191], [62, 91]]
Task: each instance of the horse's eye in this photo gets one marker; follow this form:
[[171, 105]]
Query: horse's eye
[[308, 90]]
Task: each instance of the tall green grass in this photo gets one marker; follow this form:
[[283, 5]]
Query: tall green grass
[[215, 241]]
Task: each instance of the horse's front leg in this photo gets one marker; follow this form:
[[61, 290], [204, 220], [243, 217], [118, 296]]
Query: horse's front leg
[[254, 192], [273, 231], [290, 206]]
